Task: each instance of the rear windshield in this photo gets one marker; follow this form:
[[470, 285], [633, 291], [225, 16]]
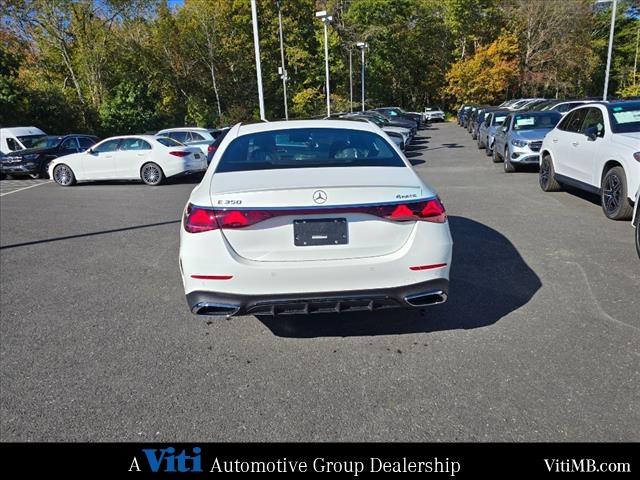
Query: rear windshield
[[308, 148], [169, 142], [625, 117], [534, 121]]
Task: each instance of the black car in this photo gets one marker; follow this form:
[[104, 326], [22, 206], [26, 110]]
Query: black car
[[35, 161], [477, 118], [393, 112], [219, 136], [393, 121]]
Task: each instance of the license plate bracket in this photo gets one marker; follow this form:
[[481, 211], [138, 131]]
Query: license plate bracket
[[320, 231]]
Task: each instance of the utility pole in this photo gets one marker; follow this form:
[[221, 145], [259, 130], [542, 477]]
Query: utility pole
[[256, 46], [611, 31], [326, 20], [283, 70], [351, 80]]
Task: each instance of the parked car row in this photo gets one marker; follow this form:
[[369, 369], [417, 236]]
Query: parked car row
[[76, 157], [593, 146]]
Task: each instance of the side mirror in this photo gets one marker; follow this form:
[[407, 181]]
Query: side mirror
[[591, 133], [91, 151]]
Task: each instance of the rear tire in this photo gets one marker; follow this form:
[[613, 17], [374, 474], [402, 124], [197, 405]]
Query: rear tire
[[63, 175], [152, 174], [546, 176], [508, 166], [488, 151], [614, 195]]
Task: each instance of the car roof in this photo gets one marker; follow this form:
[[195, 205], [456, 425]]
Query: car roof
[[144, 137], [291, 124], [19, 131], [183, 129]]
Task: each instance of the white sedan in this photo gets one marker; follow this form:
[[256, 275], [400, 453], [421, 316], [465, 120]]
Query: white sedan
[[596, 147], [312, 216], [144, 157]]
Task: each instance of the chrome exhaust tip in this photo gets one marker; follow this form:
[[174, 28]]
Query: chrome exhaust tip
[[215, 309], [426, 298]]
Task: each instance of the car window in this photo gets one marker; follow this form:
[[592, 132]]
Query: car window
[[107, 146], [13, 145], [181, 137], [498, 119], [134, 144], [196, 137], [169, 142], [574, 120], [86, 142], [308, 148], [487, 121], [625, 117], [533, 121], [69, 145], [507, 122], [594, 118]]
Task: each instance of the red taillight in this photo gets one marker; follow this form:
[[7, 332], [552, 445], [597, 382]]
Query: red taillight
[[239, 219], [211, 148], [429, 211], [197, 219], [178, 153]]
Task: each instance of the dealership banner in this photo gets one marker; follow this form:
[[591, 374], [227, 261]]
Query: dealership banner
[[454, 460]]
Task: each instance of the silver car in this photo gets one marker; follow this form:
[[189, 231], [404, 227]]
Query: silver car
[[518, 140], [487, 129]]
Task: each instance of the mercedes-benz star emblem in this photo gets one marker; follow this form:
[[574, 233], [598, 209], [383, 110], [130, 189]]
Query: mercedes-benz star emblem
[[319, 196]]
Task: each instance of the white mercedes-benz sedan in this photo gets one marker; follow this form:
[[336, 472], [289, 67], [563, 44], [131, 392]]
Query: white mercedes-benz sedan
[[312, 216], [132, 157]]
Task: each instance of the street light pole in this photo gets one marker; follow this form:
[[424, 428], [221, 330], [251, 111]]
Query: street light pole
[[362, 46], [326, 20], [611, 31], [350, 82], [283, 72], [256, 47]]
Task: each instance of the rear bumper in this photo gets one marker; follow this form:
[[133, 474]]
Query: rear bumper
[[417, 295]]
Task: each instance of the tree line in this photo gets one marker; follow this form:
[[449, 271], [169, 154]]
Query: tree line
[[124, 66]]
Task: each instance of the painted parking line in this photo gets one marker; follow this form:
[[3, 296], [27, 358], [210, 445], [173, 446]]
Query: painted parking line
[[8, 187]]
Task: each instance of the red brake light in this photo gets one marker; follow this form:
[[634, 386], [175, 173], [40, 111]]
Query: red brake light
[[433, 211], [178, 153], [402, 212], [211, 148], [198, 219]]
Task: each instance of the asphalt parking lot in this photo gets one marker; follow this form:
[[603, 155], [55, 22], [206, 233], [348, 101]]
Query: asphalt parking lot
[[539, 341]]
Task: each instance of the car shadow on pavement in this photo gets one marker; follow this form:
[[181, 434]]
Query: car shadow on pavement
[[489, 280], [447, 145]]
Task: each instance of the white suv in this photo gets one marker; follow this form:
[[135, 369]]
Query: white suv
[[596, 147]]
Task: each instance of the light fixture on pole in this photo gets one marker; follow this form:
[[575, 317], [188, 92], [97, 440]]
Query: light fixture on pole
[[614, 8], [362, 46], [282, 71], [326, 20], [256, 46]]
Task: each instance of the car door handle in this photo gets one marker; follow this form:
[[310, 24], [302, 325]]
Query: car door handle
[[555, 140], [575, 144], [140, 154]]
